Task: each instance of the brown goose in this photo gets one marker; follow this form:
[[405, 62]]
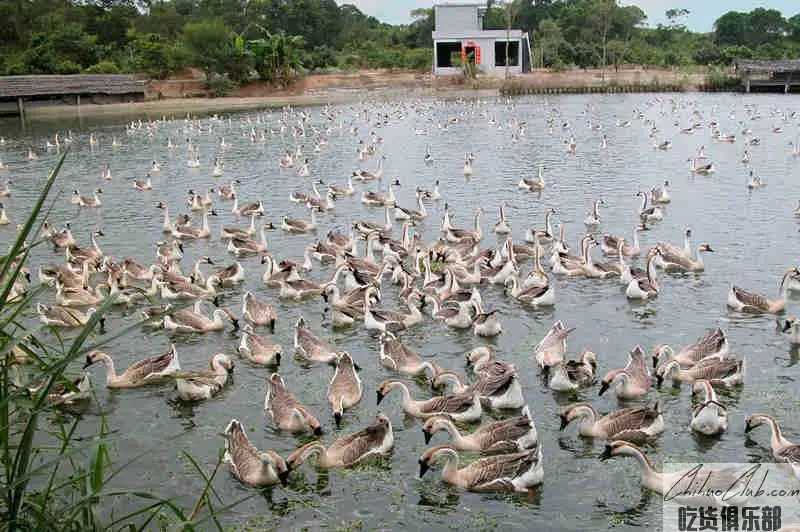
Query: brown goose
[[631, 424], [397, 357], [746, 301], [714, 343], [506, 436], [716, 369], [258, 312], [345, 389], [574, 374], [464, 407], [249, 465], [782, 449], [375, 440], [285, 411], [258, 349], [632, 381], [139, 373], [311, 348]]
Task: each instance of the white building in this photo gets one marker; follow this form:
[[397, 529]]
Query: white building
[[459, 31]]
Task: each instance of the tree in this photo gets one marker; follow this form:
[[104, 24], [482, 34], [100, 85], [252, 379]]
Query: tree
[[209, 45]]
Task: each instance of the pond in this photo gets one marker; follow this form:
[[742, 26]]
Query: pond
[[753, 235]]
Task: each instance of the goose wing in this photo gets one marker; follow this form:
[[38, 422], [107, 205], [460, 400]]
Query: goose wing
[[505, 430], [627, 421], [751, 299], [790, 454], [451, 403], [359, 445], [577, 371], [497, 472], [144, 368], [493, 384], [190, 319], [715, 368], [709, 344], [243, 457]]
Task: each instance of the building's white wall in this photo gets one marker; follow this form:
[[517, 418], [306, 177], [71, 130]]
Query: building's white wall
[[456, 19], [487, 56]]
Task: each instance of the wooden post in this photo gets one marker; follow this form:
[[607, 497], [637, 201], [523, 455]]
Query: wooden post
[[788, 83], [78, 100], [21, 108], [747, 83]]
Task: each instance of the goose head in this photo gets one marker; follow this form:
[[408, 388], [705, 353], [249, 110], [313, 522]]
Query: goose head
[[432, 455], [435, 424], [620, 448], [661, 351]]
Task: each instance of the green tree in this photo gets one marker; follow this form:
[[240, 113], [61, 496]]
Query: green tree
[[208, 44]]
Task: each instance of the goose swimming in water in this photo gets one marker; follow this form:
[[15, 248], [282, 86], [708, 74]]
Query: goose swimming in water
[[534, 185], [649, 214], [592, 220], [640, 423], [630, 382], [713, 344], [782, 449], [745, 301], [506, 436], [710, 416], [249, 465], [285, 411], [139, 373]]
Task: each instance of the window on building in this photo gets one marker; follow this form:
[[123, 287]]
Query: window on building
[[445, 52], [500, 53]]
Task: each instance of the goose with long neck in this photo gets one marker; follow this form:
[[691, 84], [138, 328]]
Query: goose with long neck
[[610, 244], [572, 266], [139, 373], [505, 472], [375, 440], [649, 214], [710, 416], [189, 321], [205, 384], [592, 220], [682, 263], [459, 235], [345, 388], [640, 423], [537, 278], [464, 407], [647, 287], [592, 270], [505, 436], [383, 319], [189, 232], [717, 369], [249, 465], [447, 222], [535, 295], [395, 356], [630, 382], [543, 237], [285, 411], [782, 449], [552, 348], [743, 300], [713, 344], [502, 227]]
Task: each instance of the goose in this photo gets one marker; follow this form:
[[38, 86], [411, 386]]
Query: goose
[[287, 161], [682, 263], [718, 370], [497, 388], [230, 275], [241, 246], [292, 225], [63, 239], [709, 416], [505, 472], [188, 232], [301, 289], [640, 423], [143, 185], [3, 215], [375, 440], [745, 158], [713, 344], [706, 169], [534, 185], [32, 155], [65, 317], [668, 249], [454, 315], [167, 225], [401, 213], [93, 254], [782, 449], [322, 204], [257, 349], [599, 270], [227, 233], [754, 182], [228, 192], [247, 210], [305, 169], [78, 297], [546, 236], [345, 312], [791, 325], [536, 296], [502, 227], [459, 235], [347, 190], [92, 202], [133, 270], [485, 324], [384, 319], [461, 407], [649, 214], [376, 199], [551, 349], [205, 384], [218, 169], [428, 155], [60, 393], [571, 375], [276, 273], [345, 388], [630, 382], [646, 287], [190, 321], [5, 192], [257, 312], [139, 373], [743, 300], [249, 465], [167, 252], [592, 220], [311, 348], [285, 411], [609, 245], [467, 167], [684, 486], [395, 356], [190, 291], [506, 436]]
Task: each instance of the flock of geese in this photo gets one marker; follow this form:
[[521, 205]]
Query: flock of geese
[[442, 281]]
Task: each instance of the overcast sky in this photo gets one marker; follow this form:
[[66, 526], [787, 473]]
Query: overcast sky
[[703, 12]]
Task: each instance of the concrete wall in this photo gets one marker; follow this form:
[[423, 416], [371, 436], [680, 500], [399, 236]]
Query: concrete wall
[[457, 18], [487, 63]]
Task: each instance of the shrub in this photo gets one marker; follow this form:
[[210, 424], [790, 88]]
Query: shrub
[[66, 67], [103, 67], [220, 86]]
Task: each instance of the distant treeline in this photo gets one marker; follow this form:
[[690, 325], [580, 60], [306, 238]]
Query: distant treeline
[[236, 41]]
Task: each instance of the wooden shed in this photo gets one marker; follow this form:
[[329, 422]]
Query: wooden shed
[[769, 75]]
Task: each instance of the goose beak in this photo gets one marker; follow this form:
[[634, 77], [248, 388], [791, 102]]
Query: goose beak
[[284, 476], [380, 396], [655, 362], [423, 468], [748, 427], [428, 437], [659, 380], [603, 387], [318, 431], [337, 417], [564, 423], [606, 453]]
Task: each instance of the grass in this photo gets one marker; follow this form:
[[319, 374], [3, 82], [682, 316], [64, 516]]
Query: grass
[[50, 478]]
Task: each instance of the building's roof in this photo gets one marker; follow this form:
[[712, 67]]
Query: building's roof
[[16, 86], [474, 34], [782, 65]]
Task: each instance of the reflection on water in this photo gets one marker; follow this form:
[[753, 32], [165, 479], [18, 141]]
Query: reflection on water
[[753, 236]]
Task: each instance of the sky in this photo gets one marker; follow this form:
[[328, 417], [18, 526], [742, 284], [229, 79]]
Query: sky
[[703, 12]]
